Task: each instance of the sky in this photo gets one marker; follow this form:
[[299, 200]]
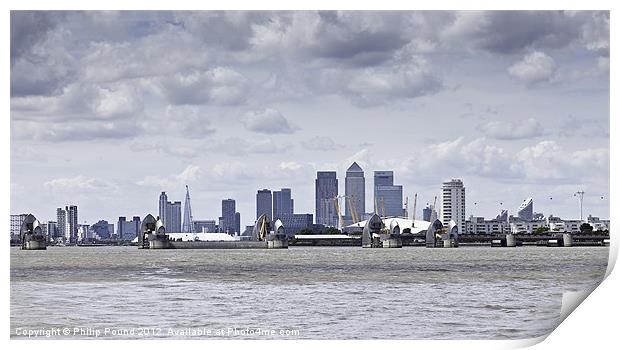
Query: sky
[[108, 109]]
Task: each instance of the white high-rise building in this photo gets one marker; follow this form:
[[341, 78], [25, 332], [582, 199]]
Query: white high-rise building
[[453, 203]]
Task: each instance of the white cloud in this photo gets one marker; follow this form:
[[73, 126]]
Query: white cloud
[[191, 174], [80, 184], [512, 130], [267, 121], [534, 68]]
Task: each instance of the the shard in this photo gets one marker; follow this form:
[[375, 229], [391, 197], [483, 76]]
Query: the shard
[[188, 220]]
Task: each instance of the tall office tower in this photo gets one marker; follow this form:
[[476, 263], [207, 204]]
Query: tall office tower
[[173, 216], [263, 203], [238, 223], [163, 208], [326, 189], [120, 227], [137, 223], [61, 222], [388, 198], [453, 203], [282, 203], [426, 213], [72, 223], [355, 191], [52, 228], [188, 224], [526, 210], [228, 216]]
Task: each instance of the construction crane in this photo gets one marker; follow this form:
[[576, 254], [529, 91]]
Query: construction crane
[[336, 200], [352, 209], [382, 207]]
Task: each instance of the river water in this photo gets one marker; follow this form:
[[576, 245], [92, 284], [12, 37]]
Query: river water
[[296, 293]]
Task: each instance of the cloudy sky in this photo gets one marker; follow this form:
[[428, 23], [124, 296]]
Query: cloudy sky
[[108, 109]]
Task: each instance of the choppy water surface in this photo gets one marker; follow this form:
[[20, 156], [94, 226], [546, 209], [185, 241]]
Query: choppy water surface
[[313, 292]]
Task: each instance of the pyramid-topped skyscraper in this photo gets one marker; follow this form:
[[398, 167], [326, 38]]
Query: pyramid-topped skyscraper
[[355, 192]]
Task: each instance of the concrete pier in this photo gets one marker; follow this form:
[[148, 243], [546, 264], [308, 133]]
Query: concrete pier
[[567, 239], [511, 241]]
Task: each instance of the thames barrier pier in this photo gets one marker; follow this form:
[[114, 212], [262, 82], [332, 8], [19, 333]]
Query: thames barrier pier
[[31, 235], [154, 236], [376, 235], [439, 237]]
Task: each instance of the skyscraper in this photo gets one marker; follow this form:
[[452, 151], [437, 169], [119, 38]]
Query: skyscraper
[[61, 222], [72, 223], [355, 191], [388, 198], [453, 203], [282, 203], [326, 188], [263, 203], [426, 213], [229, 223], [237, 222], [173, 216], [188, 225], [120, 227], [163, 208]]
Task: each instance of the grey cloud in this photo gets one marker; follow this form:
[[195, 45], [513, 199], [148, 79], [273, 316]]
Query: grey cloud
[[321, 143], [27, 29], [75, 131], [583, 127], [220, 86], [512, 130], [509, 32], [267, 121], [238, 147]]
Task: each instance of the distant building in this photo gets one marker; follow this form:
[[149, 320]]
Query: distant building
[[293, 223], [163, 208], [52, 230], [453, 203], [426, 213], [61, 219], [121, 226], [503, 216], [16, 224], [355, 192], [173, 216], [128, 230], [229, 223], [205, 226], [526, 210], [326, 189], [282, 203], [237, 223], [101, 229], [478, 225], [71, 223], [388, 198], [263, 203]]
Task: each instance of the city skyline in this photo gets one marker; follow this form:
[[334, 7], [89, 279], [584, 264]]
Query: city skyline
[[264, 100]]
